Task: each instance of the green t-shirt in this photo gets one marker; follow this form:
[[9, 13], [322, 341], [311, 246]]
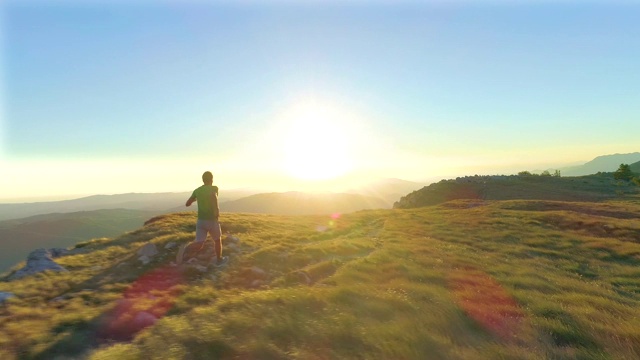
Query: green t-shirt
[[207, 210]]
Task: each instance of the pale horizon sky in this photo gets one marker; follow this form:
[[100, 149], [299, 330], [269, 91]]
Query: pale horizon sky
[[139, 96]]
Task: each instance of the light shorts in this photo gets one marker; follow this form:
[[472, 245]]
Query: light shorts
[[204, 227]]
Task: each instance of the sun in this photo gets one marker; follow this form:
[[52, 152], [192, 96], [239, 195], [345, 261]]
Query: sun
[[316, 142]]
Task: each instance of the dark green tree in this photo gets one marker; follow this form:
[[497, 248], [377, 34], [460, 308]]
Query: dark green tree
[[623, 173]]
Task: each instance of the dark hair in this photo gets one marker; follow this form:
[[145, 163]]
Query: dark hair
[[207, 177]]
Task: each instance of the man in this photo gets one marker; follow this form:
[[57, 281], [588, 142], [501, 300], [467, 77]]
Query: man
[[208, 214]]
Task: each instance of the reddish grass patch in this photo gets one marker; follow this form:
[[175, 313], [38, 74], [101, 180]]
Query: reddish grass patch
[[484, 300], [143, 303]]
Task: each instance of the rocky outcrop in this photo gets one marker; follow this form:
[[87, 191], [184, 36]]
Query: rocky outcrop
[[147, 252], [4, 296], [38, 261]]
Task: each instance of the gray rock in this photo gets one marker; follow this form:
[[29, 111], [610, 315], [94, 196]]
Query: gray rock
[[232, 239], [38, 260], [143, 319], [232, 247], [170, 245], [149, 250], [57, 252], [58, 299], [4, 296], [200, 268], [258, 273], [144, 259]]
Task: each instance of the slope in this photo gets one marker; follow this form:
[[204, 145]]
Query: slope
[[465, 279], [21, 236], [598, 187]]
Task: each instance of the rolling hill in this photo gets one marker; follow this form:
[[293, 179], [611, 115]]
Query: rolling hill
[[516, 279], [21, 236], [584, 188]]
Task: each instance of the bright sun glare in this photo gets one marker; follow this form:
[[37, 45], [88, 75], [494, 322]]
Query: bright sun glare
[[316, 142]]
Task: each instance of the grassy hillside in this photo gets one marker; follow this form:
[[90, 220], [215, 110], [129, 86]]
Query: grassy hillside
[[467, 279], [597, 187], [21, 236]]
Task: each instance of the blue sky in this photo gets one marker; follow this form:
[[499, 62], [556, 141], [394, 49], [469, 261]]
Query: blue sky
[[101, 97]]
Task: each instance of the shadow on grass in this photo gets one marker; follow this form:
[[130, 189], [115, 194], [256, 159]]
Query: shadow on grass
[[565, 331], [145, 301]]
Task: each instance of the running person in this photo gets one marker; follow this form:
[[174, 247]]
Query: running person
[[208, 214]]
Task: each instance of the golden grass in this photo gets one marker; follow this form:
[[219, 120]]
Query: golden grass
[[463, 280]]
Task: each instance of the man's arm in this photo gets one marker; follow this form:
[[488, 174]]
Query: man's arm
[[190, 201], [214, 205]]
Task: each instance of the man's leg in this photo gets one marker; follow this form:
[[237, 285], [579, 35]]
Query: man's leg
[[216, 235], [201, 236]]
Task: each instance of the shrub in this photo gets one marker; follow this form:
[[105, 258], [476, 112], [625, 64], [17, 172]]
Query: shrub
[[623, 173]]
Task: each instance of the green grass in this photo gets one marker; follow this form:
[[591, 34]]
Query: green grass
[[466, 279]]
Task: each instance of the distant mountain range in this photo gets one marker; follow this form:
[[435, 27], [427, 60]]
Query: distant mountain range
[[388, 190], [154, 202], [298, 203], [605, 163]]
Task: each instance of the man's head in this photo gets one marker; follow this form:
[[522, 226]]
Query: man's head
[[207, 178]]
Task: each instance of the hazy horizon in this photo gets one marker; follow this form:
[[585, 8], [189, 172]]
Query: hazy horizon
[[144, 96]]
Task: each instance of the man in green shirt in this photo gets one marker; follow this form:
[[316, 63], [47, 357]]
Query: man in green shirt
[[208, 214]]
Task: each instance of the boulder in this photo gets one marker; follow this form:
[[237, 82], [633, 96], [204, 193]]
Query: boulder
[[256, 272], [57, 252], [149, 250], [142, 320], [232, 247], [38, 261], [200, 268], [144, 259], [231, 239], [170, 245], [4, 296]]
